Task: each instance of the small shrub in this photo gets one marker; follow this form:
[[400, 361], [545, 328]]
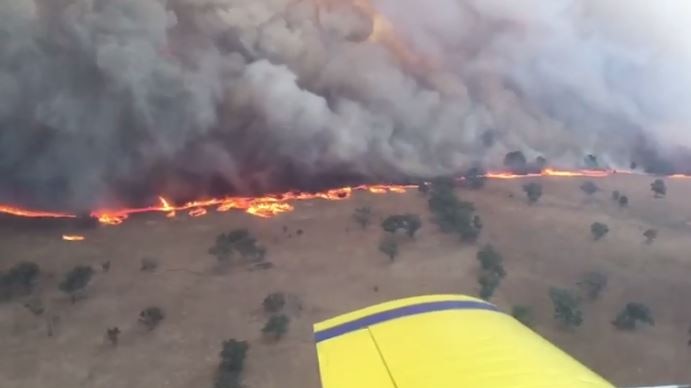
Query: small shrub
[[616, 195], [475, 178], [148, 264], [489, 282], [599, 230], [490, 260], [623, 201], [113, 335], [237, 242], [650, 235], [151, 317]]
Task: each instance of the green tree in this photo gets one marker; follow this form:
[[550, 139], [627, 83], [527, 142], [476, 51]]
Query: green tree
[[151, 317], [389, 247], [516, 162], [523, 314], [632, 314], [274, 302], [239, 241], [592, 284], [589, 187], [410, 223], [363, 216], [567, 307], [276, 326], [599, 230], [232, 363], [623, 201], [489, 282], [650, 235], [533, 191], [659, 188], [75, 281], [491, 260], [19, 280], [452, 215]]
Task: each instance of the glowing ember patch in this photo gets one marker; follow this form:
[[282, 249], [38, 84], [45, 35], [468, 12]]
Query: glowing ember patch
[[73, 237], [15, 211], [198, 212], [268, 210]]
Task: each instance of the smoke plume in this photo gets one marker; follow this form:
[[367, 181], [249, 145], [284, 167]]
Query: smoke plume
[[105, 102]]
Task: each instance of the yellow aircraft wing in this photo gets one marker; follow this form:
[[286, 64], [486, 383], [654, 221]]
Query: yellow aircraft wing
[[441, 341]]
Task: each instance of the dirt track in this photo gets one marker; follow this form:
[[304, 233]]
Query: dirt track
[[334, 267]]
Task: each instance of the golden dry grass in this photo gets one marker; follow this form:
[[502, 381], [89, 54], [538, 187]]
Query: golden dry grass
[[335, 267]]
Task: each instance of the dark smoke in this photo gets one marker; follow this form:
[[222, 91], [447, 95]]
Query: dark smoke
[[111, 102]]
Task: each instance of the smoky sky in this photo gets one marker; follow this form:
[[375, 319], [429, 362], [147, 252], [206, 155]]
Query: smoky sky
[[109, 102]]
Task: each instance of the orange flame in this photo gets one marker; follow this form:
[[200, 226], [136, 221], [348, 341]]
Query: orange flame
[[273, 205], [73, 237]]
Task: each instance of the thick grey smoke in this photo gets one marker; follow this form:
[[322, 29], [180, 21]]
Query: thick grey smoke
[[104, 101]]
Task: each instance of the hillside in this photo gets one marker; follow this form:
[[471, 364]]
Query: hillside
[[333, 267]]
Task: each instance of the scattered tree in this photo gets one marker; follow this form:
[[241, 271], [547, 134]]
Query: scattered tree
[[599, 230], [523, 314], [589, 187], [491, 260], [276, 326], [623, 201], [475, 178], [105, 266], [19, 280], [389, 246], [150, 317], [75, 281], [591, 161], [112, 335], [239, 241], [451, 214], [616, 195], [516, 162], [650, 235], [274, 302], [633, 165], [592, 284], [363, 216], [567, 307], [489, 281], [410, 223], [491, 271], [631, 315], [229, 371], [659, 188], [533, 191]]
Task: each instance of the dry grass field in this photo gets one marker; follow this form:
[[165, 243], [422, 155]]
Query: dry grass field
[[334, 267]]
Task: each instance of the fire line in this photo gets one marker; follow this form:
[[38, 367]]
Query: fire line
[[272, 205]]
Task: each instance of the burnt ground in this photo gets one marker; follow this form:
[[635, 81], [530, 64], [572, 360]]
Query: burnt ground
[[335, 267]]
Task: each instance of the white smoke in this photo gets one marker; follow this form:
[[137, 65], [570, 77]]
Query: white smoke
[[103, 100]]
